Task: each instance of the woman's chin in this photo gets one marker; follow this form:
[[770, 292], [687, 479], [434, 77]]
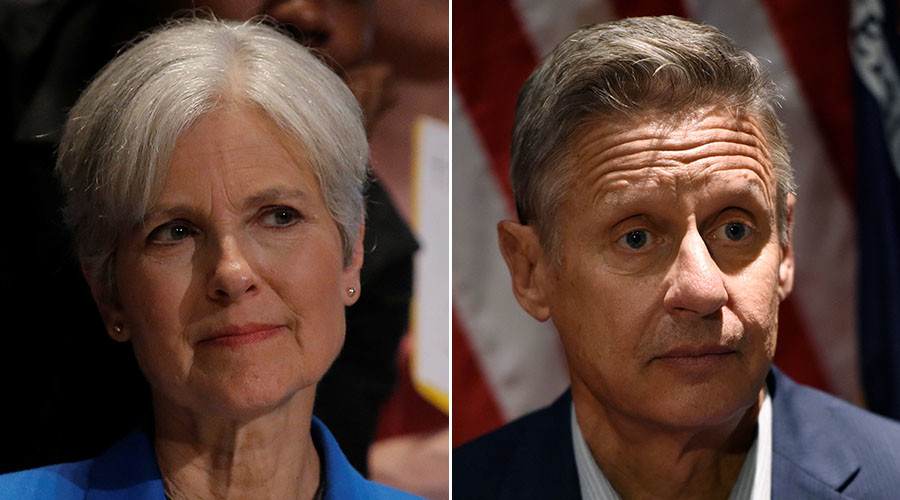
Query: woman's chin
[[247, 409], [246, 402], [243, 400]]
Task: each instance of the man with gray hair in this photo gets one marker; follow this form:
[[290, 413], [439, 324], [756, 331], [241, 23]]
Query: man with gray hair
[[655, 196]]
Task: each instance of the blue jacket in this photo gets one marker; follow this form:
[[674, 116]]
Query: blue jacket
[[822, 448], [128, 470]]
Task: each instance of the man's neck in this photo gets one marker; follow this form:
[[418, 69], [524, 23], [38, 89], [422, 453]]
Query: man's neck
[[643, 460], [272, 456]]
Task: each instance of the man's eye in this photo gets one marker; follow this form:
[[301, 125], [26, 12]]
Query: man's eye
[[734, 231], [281, 217], [171, 232], [636, 239]]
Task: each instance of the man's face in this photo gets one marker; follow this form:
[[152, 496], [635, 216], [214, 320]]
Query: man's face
[[670, 269]]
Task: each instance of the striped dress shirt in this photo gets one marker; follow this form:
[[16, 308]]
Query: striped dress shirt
[[754, 481]]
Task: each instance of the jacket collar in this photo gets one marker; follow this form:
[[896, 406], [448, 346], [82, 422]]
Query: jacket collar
[[342, 481], [543, 466], [809, 459], [127, 470]]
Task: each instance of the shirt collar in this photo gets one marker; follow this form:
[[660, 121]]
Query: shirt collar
[[754, 481]]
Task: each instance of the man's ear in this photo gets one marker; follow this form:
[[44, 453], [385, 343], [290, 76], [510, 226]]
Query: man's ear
[[786, 267], [350, 280], [527, 263], [110, 310]]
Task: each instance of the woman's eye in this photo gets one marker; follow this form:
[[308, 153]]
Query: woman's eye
[[171, 232], [734, 231], [281, 217], [635, 240]]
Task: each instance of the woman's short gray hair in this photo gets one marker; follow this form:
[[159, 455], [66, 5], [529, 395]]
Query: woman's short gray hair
[[119, 137], [623, 71]]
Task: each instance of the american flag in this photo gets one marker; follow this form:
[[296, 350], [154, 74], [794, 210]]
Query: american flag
[[506, 364]]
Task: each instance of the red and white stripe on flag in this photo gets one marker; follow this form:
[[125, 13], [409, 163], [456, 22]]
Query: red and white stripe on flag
[[505, 363]]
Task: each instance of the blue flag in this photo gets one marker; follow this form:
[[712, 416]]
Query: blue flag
[[874, 48]]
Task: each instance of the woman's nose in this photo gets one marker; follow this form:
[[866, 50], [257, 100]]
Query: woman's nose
[[696, 284], [233, 275]]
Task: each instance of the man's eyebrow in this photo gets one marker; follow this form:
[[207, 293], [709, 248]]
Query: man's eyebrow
[[752, 184], [626, 190]]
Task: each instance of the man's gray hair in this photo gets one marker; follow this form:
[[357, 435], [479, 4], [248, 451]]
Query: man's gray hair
[[120, 136], [622, 71]]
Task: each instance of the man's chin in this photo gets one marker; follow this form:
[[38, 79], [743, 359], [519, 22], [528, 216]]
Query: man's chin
[[712, 404]]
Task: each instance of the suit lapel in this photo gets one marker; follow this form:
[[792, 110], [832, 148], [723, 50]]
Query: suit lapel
[[808, 458], [543, 465], [790, 481]]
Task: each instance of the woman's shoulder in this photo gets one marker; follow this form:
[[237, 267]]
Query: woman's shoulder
[[342, 481], [60, 481], [377, 491], [127, 470]]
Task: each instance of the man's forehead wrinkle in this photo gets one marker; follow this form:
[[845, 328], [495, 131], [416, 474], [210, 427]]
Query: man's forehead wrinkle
[[662, 126], [602, 143], [661, 152], [715, 156], [615, 186], [672, 157]]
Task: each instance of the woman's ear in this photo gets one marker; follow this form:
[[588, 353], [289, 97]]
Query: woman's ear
[[350, 281], [110, 310]]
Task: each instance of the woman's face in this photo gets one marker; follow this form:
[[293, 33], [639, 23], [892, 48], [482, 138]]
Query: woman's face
[[233, 290]]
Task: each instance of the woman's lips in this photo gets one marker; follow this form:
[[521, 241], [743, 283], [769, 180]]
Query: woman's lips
[[242, 334]]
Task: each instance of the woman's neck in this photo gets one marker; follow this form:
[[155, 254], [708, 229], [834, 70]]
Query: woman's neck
[[208, 457]]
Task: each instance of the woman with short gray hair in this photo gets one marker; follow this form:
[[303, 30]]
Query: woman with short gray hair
[[214, 174]]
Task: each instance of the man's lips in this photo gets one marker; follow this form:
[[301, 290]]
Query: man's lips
[[695, 351], [247, 333]]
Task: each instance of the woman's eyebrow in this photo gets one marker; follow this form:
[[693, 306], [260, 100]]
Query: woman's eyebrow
[[167, 212], [260, 198], [273, 194]]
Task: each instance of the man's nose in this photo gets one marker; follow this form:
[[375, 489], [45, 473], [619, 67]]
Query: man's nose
[[696, 284], [233, 275]]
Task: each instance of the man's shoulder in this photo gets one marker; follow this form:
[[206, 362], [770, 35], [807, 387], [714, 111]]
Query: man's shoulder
[[503, 441], [532, 453], [816, 435], [805, 412]]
